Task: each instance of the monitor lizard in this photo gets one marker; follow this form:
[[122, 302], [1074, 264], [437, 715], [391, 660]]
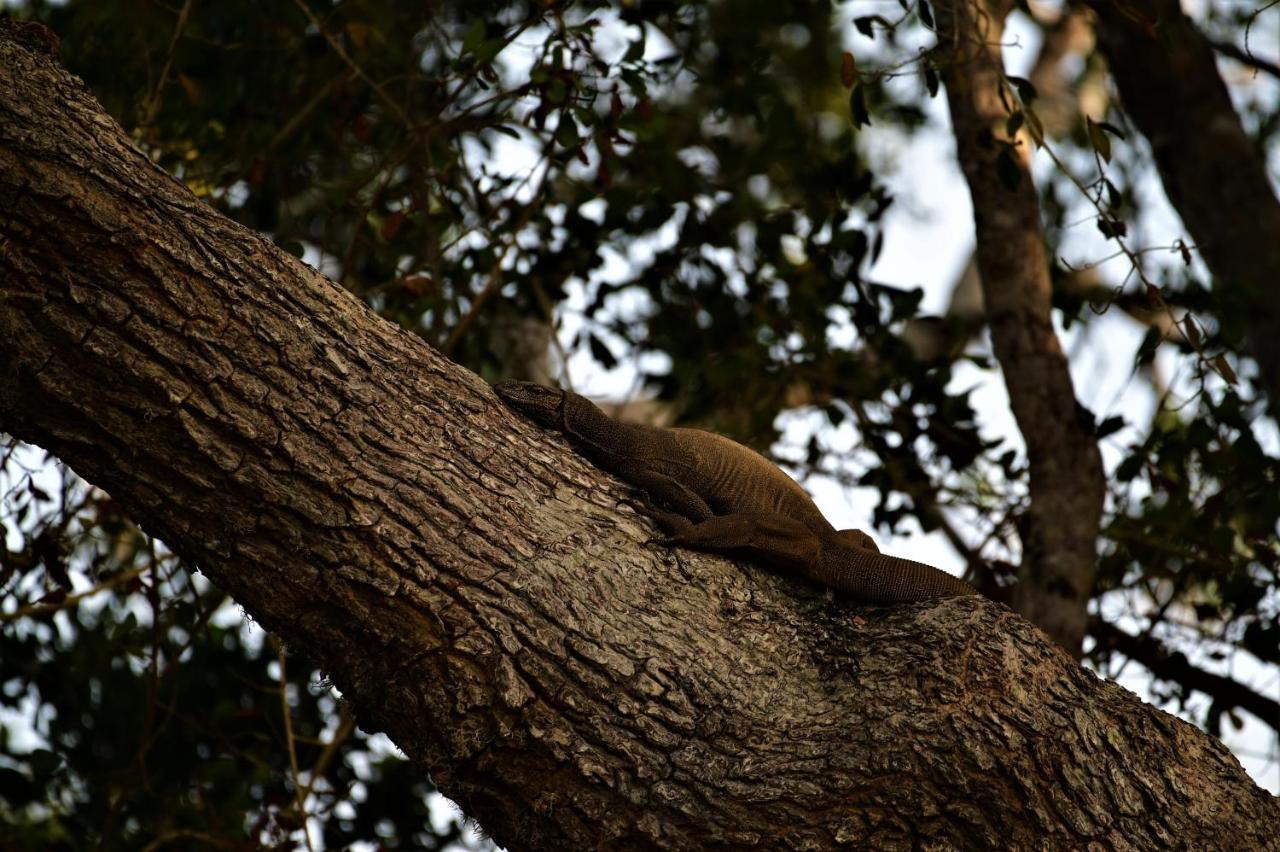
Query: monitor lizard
[[710, 493]]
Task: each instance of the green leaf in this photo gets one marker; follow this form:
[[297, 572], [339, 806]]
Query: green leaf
[[926, 14], [858, 107], [601, 352], [43, 762], [1111, 227], [121, 629], [1008, 168], [635, 52], [1026, 91], [567, 131], [1099, 140], [1014, 123], [1109, 427], [1147, 350], [1222, 368], [931, 81], [1112, 129], [488, 50], [557, 92], [1191, 330], [1114, 199], [1129, 468], [474, 37]]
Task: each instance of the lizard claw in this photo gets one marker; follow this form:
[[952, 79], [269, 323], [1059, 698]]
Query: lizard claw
[[630, 504]]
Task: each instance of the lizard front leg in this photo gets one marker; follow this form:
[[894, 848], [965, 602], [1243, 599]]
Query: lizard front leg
[[778, 540], [667, 494]]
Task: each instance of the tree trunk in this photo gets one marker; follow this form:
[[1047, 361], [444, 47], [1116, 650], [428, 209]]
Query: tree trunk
[[470, 584], [1060, 531], [1212, 172]]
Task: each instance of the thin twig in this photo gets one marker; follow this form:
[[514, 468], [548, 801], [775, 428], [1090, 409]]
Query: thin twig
[[71, 600], [346, 725], [355, 67], [153, 101], [1132, 255], [1257, 63], [287, 715]]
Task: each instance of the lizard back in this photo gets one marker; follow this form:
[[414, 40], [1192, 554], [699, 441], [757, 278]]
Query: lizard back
[[733, 478]]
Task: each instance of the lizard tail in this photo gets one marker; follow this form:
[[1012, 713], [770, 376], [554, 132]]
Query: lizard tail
[[880, 578]]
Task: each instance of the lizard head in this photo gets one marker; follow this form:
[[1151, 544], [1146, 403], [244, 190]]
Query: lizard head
[[541, 404], [857, 539]]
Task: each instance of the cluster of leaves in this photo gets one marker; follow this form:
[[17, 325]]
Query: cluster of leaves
[[1198, 527], [144, 713]]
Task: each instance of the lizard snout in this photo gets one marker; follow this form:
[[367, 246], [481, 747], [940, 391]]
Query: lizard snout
[[539, 403]]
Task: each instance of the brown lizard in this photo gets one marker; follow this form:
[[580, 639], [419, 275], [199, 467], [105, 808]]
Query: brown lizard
[[710, 493]]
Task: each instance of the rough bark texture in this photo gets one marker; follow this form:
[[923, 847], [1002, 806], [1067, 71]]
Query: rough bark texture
[[1059, 533], [1215, 177], [471, 585]]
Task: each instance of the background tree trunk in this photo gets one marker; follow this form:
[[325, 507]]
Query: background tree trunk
[[471, 586], [1060, 534]]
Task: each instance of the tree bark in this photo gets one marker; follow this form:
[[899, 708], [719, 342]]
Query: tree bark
[[1060, 530], [470, 584], [1213, 174]]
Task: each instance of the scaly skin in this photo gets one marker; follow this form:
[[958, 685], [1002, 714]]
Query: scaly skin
[[710, 493]]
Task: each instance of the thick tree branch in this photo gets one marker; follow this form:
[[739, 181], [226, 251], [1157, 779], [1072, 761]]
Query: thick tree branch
[[1067, 486], [1226, 692], [470, 584], [1212, 173]]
